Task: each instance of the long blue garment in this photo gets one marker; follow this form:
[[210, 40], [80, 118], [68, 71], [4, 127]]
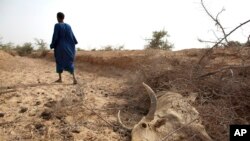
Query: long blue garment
[[63, 42]]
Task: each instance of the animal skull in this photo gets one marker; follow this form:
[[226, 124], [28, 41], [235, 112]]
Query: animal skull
[[171, 117]]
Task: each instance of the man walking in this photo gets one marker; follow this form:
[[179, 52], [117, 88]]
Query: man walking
[[63, 43]]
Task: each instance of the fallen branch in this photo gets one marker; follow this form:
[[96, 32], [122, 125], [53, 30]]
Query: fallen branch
[[221, 69], [8, 91], [110, 124], [92, 110]]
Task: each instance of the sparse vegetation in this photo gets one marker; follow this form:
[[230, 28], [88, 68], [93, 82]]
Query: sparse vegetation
[[7, 47], [159, 41], [42, 47], [79, 49], [25, 49], [112, 48]]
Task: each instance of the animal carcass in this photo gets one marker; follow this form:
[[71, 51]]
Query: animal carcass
[[170, 117]]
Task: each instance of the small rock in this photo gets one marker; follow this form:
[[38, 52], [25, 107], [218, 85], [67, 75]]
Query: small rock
[[67, 134], [73, 91], [64, 132], [46, 114], [23, 109], [32, 113], [75, 131], [18, 101], [2, 114], [75, 100], [50, 104], [106, 95], [37, 103], [115, 128], [39, 126], [60, 116]]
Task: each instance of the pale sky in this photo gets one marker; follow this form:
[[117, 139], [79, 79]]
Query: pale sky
[[97, 23]]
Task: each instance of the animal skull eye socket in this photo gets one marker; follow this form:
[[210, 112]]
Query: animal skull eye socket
[[144, 125]]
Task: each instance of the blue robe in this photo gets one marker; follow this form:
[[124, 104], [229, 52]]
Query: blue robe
[[63, 42]]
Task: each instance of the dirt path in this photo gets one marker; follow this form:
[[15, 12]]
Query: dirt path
[[32, 107]]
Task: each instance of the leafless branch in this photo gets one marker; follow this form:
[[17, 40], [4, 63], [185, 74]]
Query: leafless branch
[[215, 19], [221, 69], [204, 41], [99, 116], [223, 9], [7, 91]]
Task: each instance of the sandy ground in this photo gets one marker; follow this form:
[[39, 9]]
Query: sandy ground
[[35, 108]]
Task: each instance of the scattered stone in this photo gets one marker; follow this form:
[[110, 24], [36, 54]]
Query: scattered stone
[[75, 100], [115, 128], [39, 126], [67, 134], [60, 116], [23, 109], [75, 130], [73, 91], [2, 114], [46, 114], [64, 132], [50, 99], [18, 101], [37, 103], [106, 95], [32, 113], [50, 104]]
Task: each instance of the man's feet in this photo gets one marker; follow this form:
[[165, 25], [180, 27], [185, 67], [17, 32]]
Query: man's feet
[[74, 82], [58, 81]]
